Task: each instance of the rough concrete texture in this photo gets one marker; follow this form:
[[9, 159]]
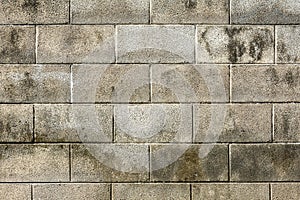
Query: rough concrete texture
[[153, 123], [110, 11], [122, 83], [267, 83], [286, 191], [287, 120], [16, 123], [75, 44], [265, 12], [177, 162], [71, 191], [151, 191], [236, 123], [150, 99], [190, 83], [15, 191], [235, 44], [265, 162], [195, 11], [34, 83], [17, 44], [34, 163], [34, 11], [69, 123], [155, 44], [109, 163], [230, 191], [287, 44]]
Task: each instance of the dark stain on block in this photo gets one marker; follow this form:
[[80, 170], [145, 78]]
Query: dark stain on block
[[191, 4], [31, 6], [190, 167], [257, 46], [275, 162]]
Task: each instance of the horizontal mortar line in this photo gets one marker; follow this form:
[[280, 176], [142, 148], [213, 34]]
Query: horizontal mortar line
[[146, 24], [145, 103], [154, 182], [140, 63], [149, 143], [118, 63]]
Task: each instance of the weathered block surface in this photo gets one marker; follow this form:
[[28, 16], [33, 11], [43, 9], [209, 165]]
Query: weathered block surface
[[17, 44], [73, 123], [265, 12], [190, 11], [190, 83], [34, 12], [265, 162], [32, 83], [72, 191], [153, 123], [15, 191], [111, 83], [155, 44], [266, 83], [287, 120], [151, 191], [235, 44], [285, 191], [110, 163], [34, 163], [75, 44], [288, 50], [16, 123], [230, 191], [232, 123], [110, 11], [189, 162]]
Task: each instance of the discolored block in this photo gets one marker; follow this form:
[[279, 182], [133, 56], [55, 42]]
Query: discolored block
[[190, 11], [153, 123], [155, 44], [232, 123], [183, 162], [73, 123], [265, 83], [34, 12], [109, 11], [72, 191], [34, 163], [110, 163], [121, 83], [34, 83], [17, 44], [235, 44], [75, 44], [265, 162], [285, 191], [230, 191], [265, 12], [15, 191], [286, 122], [287, 43], [151, 191], [190, 83], [16, 123]]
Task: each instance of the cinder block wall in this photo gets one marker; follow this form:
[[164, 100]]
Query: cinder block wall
[[150, 99]]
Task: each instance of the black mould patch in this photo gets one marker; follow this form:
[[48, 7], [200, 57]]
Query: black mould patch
[[191, 4], [31, 5]]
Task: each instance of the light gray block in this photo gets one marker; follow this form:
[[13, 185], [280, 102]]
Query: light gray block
[[155, 44]]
